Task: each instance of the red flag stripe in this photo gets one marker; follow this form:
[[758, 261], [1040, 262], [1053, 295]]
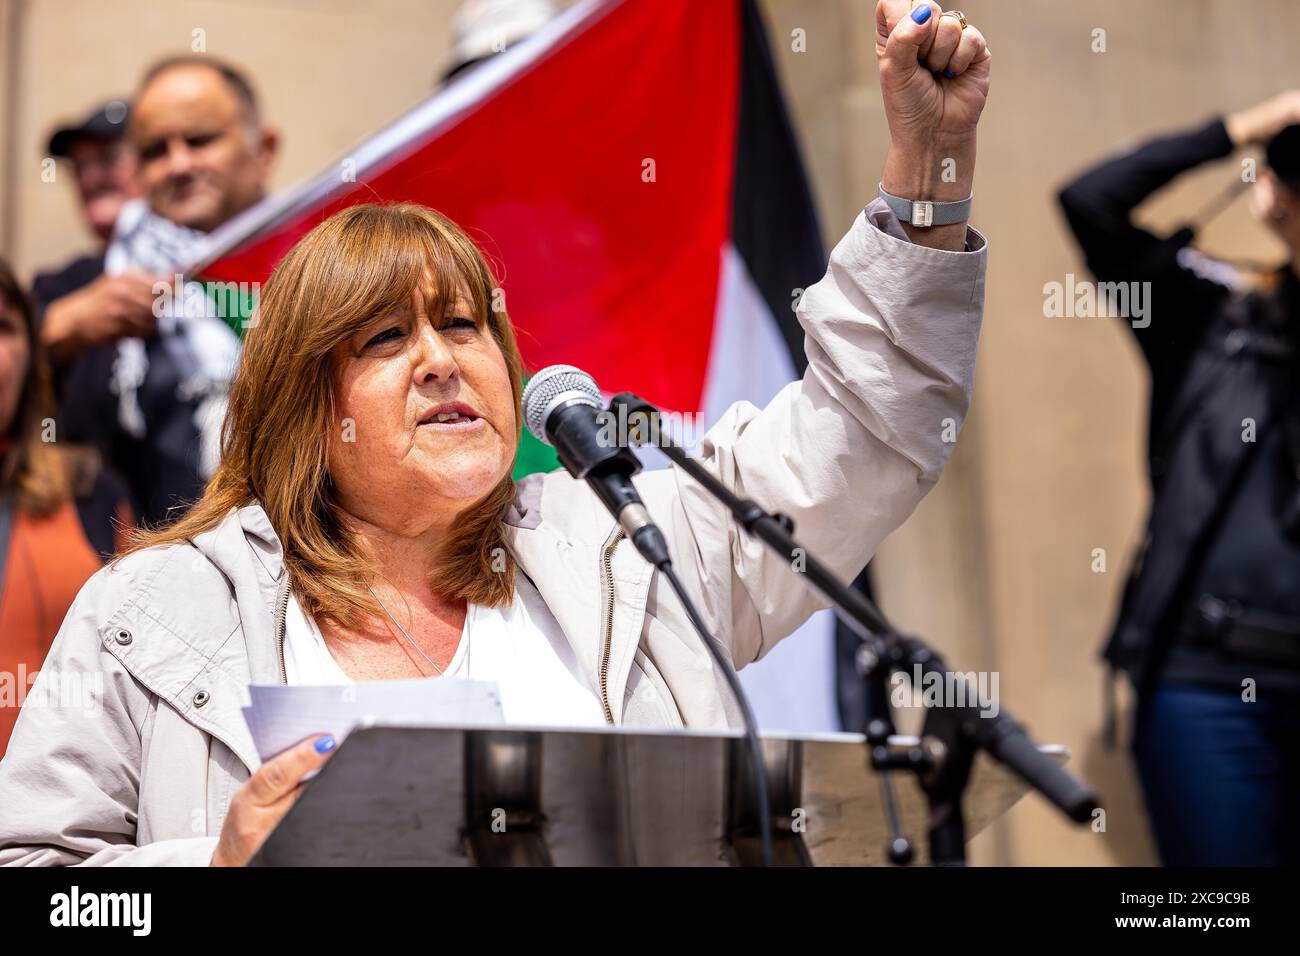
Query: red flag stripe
[[601, 267]]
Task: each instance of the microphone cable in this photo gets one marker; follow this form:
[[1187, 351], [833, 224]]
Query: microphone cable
[[761, 798]]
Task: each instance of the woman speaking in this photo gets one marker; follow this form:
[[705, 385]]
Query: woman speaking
[[363, 524]]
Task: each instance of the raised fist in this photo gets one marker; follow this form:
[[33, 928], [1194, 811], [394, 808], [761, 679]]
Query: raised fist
[[934, 73]]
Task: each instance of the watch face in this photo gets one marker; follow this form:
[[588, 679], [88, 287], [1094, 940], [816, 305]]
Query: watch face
[[922, 213]]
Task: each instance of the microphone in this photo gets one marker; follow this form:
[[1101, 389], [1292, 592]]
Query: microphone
[[562, 408]]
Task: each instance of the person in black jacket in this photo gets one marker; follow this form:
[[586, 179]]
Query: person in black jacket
[[1209, 623]]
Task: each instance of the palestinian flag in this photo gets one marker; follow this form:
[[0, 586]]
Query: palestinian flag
[[632, 173]]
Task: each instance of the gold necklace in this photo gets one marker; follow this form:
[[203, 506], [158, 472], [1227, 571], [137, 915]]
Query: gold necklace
[[408, 637]]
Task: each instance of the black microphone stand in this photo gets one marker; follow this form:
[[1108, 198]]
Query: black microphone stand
[[952, 734]]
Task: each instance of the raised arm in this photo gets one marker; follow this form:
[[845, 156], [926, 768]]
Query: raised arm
[[1099, 207], [1099, 203], [1186, 290], [891, 334]]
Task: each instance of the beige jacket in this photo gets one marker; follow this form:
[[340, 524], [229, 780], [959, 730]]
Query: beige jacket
[[142, 772]]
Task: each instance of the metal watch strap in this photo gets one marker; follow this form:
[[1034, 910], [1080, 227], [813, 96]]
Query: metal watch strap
[[923, 213]]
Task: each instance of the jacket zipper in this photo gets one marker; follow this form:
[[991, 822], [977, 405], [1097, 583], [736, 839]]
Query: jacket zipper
[[281, 611], [609, 627]]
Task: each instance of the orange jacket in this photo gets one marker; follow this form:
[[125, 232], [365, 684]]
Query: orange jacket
[[48, 561]]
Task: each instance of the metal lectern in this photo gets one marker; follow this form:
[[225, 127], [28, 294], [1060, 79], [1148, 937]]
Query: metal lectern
[[457, 796]]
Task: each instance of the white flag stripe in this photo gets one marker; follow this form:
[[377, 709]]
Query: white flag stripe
[[793, 687]]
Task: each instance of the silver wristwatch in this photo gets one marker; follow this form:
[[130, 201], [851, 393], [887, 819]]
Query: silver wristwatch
[[924, 213]]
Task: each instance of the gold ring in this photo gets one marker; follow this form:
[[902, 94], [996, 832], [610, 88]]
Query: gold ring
[[961, 17]]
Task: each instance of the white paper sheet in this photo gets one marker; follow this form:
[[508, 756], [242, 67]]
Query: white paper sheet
[[279, 715]]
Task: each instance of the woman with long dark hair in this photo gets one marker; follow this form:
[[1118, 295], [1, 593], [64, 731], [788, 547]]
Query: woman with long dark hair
[[60, 512]]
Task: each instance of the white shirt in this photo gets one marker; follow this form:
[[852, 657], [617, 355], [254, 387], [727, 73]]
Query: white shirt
[[521, 647]]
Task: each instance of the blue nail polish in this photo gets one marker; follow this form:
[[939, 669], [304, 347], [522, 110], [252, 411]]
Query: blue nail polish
[[950, 74], [325, 745], [921, 14]]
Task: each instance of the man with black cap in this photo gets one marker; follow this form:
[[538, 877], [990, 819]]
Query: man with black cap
[[83, 307], [1209, 623], [100, 163]]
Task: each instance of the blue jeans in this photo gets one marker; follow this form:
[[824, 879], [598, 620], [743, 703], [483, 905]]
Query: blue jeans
[[1221, 776]]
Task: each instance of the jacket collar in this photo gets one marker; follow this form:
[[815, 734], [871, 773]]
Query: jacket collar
[[246, 549]]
